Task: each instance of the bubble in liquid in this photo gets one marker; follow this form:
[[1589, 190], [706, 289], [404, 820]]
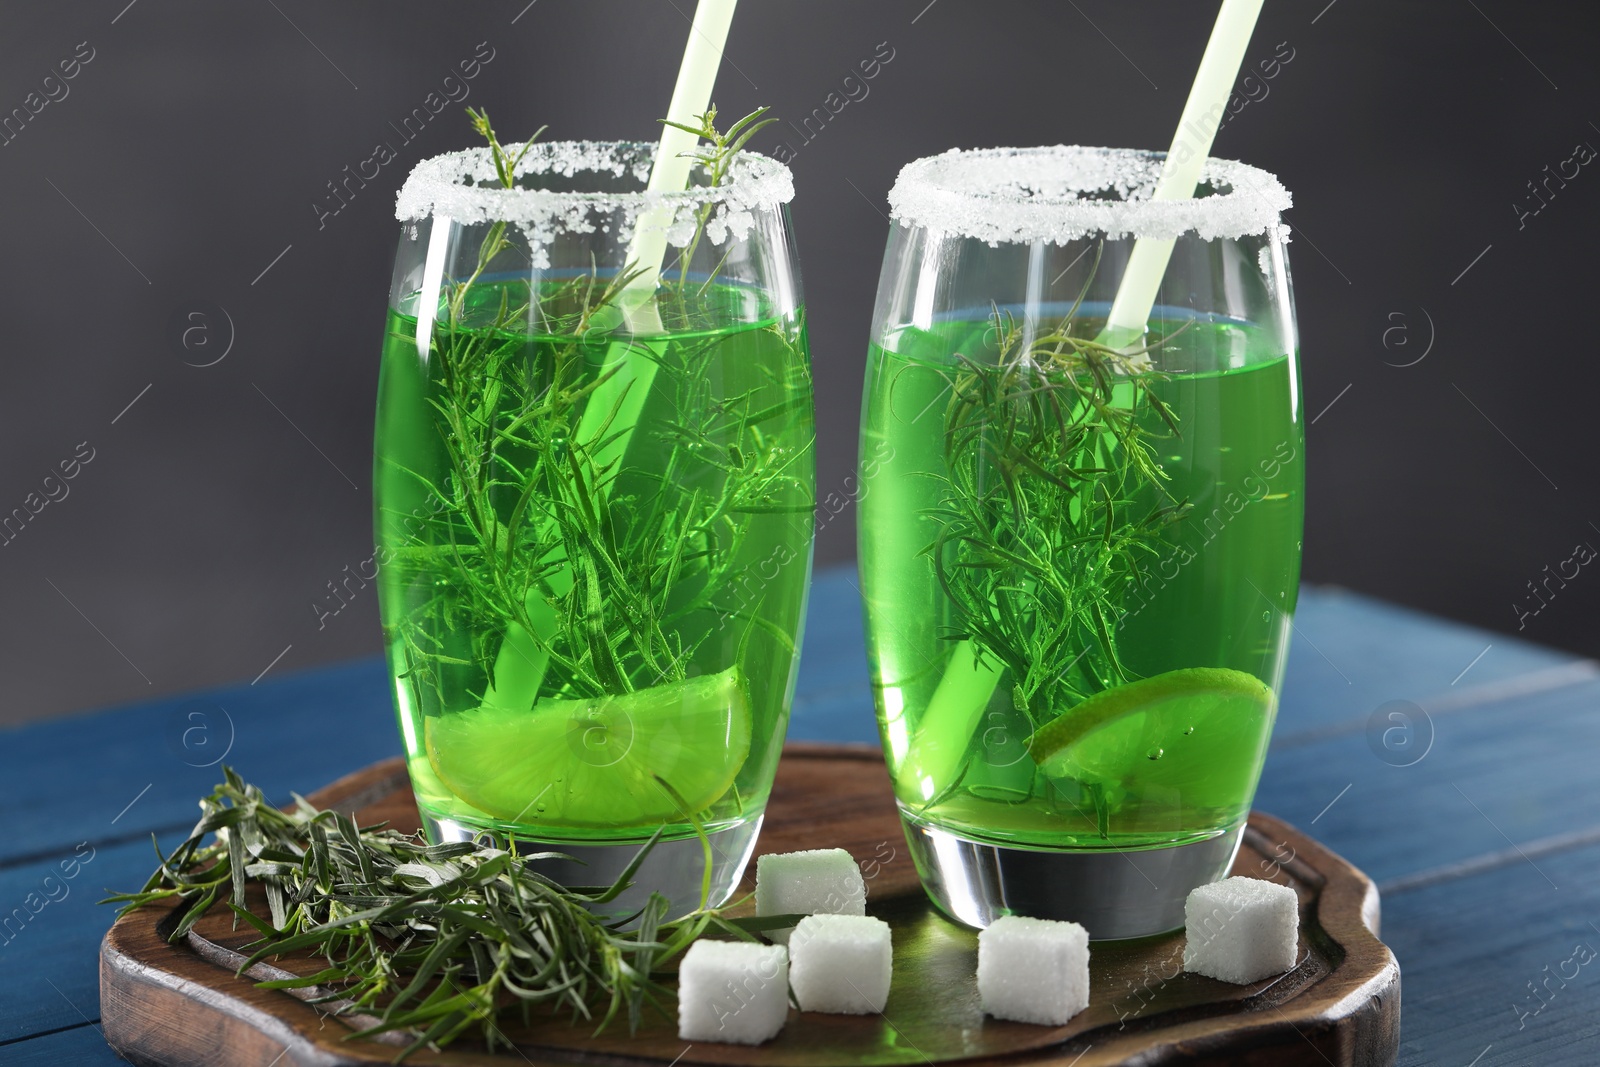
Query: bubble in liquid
[[1266, 616], [1189, 731], [1156, 753]]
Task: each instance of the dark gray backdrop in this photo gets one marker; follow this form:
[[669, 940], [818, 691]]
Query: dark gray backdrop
[[178, 171]]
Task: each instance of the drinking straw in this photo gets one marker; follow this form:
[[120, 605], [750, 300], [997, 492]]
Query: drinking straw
[[670, 171], [631, 375], [968, 682], [1191, 145], [520, 665]]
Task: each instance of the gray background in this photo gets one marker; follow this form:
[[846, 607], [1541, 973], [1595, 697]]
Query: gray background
[[180, 170]]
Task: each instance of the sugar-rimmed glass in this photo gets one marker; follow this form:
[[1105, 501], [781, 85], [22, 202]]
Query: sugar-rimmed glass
[[593, 503], [1079, 547]]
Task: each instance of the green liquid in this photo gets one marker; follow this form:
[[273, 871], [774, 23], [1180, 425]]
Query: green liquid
[[1215, 589], [566, 627]]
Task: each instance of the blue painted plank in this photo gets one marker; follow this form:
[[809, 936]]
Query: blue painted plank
[[833, 633], [86, 777], [1468, 950], [1513, 771], [833, 696], [1360, 637], [50, 931], [81, 1047], [1350, 653]]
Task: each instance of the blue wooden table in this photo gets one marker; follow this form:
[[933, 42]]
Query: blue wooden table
[[1454, 766]]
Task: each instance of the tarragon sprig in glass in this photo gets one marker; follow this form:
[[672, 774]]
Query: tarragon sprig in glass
[[530, 502], [1053, 502]]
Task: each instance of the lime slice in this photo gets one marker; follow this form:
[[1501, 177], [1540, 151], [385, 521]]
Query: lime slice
[[1200, 730], [595, 763]]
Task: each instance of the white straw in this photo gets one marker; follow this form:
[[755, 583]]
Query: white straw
[[621, 397], [670, 172], [1202, 114]]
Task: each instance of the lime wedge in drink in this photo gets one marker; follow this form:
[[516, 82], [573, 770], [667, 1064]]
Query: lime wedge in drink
[[1197, 730], [598, 763]]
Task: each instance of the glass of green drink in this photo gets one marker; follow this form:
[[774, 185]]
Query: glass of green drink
[[1079, 545], [594, 495]]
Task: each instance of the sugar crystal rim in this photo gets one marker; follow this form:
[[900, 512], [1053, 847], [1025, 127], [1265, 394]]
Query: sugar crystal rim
[[1025, 195], [464, 186]]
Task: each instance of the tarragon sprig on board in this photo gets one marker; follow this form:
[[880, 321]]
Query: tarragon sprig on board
[[431, 941]]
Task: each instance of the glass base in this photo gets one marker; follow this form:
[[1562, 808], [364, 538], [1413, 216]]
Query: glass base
[[674, 868], [1112, 894]]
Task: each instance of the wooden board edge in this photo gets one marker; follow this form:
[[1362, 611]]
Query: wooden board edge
[[367, 786], [166, 1011], [1360, 1028], [188, 1008], [154, 994], [1347, 910], [172, 983]]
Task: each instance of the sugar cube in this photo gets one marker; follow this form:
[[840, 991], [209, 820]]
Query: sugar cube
[[818, 881], [1033, 970], [1241, 930], [840, 963], [732, 991]]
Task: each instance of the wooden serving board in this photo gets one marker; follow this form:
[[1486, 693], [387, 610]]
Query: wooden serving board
[[180, 1004]]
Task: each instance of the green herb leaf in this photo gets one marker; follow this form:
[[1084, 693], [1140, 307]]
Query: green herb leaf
[[431, 940], [1048, 462]]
